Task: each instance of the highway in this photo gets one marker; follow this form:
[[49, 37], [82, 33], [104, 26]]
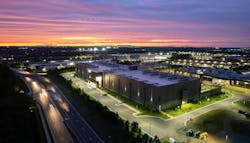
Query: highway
[[59, 131], [61, 115], [72, 119], [149, 124]]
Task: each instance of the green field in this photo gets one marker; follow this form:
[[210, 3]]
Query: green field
[[236, 89], [219, 121], [192, 106], [143, 110], [207, 87], [243, 104], [211, 122]]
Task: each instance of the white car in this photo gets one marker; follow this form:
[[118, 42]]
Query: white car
[[172, 140]]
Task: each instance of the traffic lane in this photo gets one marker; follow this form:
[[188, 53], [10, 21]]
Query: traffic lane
[[83, 131], [87, 136], [80, 121], [76, 124], [92, 136], [58, 128], [55, 122]]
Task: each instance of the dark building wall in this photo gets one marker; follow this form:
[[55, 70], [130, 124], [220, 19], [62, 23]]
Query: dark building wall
[[166, 96], [173, 95]]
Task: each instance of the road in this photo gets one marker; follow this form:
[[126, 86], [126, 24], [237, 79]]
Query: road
[[149, 124], [62, 116], [59, 131]]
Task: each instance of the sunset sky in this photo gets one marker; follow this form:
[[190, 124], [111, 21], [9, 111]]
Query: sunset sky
[[125, 22]]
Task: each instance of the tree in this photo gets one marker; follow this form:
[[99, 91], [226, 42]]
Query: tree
[[126, 125], [156, 140], [139, 132], [145, 138], [150, 140], [134, 127]]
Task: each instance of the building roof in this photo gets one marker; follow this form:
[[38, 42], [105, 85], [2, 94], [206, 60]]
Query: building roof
[[218, 73], [155, 78]]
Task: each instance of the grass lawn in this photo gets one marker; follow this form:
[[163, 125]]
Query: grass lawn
[[168, 70], [236, 89], [192, 106], [206, 87], [220, 122], [211, 122], [154, 113], [243, 104], [143, 110]]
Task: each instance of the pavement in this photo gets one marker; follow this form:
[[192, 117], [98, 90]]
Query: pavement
[[150, 124], [59, 131], [61, 115]]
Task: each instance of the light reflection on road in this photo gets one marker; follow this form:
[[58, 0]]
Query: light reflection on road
[[55, 121]]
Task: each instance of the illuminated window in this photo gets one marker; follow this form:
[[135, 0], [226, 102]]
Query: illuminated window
[[151, 97], [98, 78], [138, 93], [125, 88]]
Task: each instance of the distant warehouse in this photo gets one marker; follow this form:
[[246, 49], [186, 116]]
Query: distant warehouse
[[153, 89]]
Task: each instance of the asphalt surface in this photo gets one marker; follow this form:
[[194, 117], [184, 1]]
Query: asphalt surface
[[149, 124], [60, 114], [72, 119], [59, 131]]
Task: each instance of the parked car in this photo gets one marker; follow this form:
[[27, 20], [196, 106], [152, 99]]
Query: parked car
[[190, 133], [242, 112], [172, 140], [104, 94], [197, 134]]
